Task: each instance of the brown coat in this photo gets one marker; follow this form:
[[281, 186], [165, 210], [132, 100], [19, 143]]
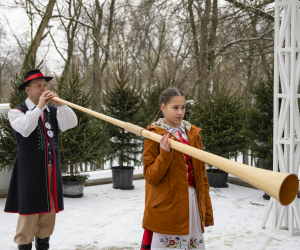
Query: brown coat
[[167, 199]]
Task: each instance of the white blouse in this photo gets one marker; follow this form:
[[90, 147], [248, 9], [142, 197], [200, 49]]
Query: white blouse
[[25, 124]]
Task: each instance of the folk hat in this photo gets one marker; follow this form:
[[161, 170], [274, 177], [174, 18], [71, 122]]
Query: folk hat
[[33, 74]]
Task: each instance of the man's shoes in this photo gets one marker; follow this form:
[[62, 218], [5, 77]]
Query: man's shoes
[[42, 244], [25, 247]]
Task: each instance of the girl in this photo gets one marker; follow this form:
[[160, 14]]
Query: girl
[[177, 202]]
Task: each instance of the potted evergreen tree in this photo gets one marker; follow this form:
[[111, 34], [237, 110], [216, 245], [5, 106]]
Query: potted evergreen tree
[[124, 103], [221, 115], [87, 142], [260, 124]]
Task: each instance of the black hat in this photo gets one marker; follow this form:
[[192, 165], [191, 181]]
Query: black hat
[[33, 74]]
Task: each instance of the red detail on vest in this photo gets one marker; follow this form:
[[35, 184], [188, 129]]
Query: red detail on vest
[[38, 75], [188, 162], [54, 179]]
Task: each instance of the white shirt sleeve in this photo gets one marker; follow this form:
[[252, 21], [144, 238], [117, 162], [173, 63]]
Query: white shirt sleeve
[[66, 118], [24, 123]]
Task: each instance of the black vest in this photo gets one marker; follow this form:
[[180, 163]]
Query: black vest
[[29, 190]]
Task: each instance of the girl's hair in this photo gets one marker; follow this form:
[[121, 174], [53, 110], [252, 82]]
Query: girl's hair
[[166, 96]]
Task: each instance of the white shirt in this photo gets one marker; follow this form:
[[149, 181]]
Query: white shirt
[[25, 124], [181, 129]]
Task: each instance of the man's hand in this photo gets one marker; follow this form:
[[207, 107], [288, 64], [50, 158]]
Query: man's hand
[[54, 102], [45, 97]]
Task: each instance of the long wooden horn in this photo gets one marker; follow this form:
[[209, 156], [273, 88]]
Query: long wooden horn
[[281, 186]]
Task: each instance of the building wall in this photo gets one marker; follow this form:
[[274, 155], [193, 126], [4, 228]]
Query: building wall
[[4, 108]]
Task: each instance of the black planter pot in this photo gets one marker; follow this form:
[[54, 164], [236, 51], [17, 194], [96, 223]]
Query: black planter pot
[[73, 189], [122, 177], [218, 178]]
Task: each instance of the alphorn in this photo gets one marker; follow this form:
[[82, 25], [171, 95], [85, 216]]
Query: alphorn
[[281, 186]]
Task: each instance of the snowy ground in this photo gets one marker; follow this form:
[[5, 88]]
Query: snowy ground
[[109, 219]]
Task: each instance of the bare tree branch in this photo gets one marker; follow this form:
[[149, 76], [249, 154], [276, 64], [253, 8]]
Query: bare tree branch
[[15, 36], [99, 44], [57, 48], [246, 40], [255, 10], [73, 19]]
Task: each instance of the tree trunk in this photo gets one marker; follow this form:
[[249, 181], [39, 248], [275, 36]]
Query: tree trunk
[[122, 150], [212, 41], [246, 157], [0, 81], [195, 43], [35, 43], [96, 56], [71, 171], [203, 47], [160, 48], [97, 87], [71, 33], [250, 72]]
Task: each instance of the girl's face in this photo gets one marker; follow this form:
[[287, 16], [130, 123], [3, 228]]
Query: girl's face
[[174, 111]]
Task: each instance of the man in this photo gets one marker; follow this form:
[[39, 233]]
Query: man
[[35, 190]]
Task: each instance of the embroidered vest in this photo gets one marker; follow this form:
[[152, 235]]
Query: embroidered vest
[[29, 191]]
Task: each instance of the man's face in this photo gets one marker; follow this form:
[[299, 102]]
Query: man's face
[[35, 88]]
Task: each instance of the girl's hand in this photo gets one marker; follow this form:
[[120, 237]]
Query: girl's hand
[[164, 143]]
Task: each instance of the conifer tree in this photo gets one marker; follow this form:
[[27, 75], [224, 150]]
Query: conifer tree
[[8, 145], [88, 141], [260, 122], [221, 115], [125, 103]]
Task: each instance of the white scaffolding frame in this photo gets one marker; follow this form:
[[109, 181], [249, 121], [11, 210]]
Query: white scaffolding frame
[[286, 135]]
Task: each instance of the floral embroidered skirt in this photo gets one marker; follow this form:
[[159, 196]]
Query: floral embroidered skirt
[[194, 240]]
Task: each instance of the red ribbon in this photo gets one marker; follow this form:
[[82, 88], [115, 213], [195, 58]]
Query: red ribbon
[[38, 75]]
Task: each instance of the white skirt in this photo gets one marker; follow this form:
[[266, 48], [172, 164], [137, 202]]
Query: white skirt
[[194, 240]]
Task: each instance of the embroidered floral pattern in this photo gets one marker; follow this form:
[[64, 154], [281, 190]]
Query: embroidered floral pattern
[[161, 123], [184, 126], [178, 243]]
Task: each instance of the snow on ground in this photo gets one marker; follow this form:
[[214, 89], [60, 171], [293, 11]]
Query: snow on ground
[[109, 219], [103, 174]]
